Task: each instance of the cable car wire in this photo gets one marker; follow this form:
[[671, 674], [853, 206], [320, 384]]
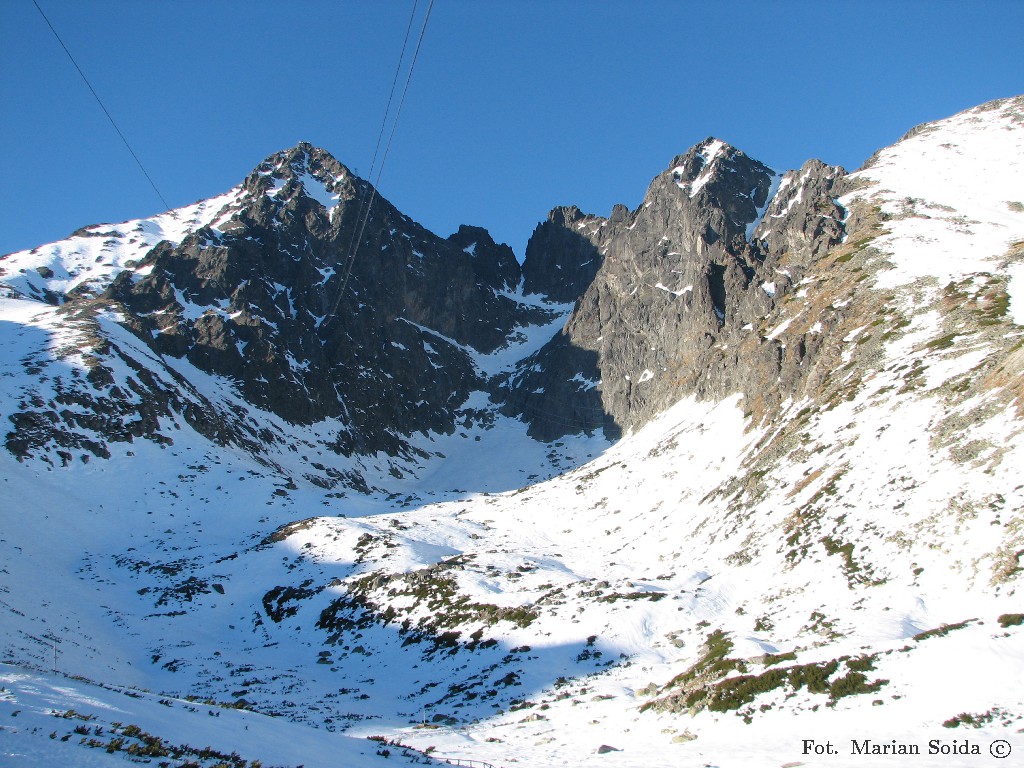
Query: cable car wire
[[361, 227], [167, 206], [350, 251]]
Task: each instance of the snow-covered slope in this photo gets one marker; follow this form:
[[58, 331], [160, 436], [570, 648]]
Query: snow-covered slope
[[88, 260], [722, 586], [50, 719], [952, 190]]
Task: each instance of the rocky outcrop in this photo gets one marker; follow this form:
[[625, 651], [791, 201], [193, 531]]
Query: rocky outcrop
[[675, 287], [310, 321], [494, 264], [803, 220], [564, 254]]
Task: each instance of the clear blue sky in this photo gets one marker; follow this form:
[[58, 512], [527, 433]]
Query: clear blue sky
[[515, 106]]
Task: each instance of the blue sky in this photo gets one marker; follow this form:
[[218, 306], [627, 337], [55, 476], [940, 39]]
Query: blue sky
[[515, 107]]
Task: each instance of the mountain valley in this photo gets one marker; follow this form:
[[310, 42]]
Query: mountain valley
[[291, 479]]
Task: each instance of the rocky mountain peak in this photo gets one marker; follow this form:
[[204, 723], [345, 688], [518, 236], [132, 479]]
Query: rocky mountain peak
[[657, 291], [563, 254], [494, 264], [693, 168], [717, 177], [305, 182], [300, 291], [802, 220], [303, 160]]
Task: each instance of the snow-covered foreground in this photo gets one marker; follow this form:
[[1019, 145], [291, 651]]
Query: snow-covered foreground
[[618, 561], [49, 720]]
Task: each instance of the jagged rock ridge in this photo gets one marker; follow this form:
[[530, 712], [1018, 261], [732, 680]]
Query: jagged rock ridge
[[253, 295], [668, 294], [251, 291]]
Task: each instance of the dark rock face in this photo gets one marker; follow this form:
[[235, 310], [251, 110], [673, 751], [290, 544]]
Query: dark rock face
[[564, 254], [556, 391], [259, 299], [670, 292], [494, 265]]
